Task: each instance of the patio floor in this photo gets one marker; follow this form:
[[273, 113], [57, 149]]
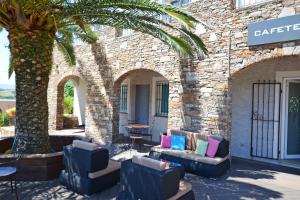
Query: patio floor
[[245, 180], [9, 131]]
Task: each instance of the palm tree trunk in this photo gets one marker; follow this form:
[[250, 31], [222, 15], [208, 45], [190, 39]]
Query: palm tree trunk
[[31, 53]]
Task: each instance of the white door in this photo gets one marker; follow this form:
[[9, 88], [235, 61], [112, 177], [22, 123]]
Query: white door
[[292, 119]]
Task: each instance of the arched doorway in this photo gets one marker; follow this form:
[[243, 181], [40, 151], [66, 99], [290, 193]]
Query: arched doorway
[[259, 109], [142, 97], [71, 103]]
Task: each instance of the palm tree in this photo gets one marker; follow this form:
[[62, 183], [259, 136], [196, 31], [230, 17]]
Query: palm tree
[[36, 26]]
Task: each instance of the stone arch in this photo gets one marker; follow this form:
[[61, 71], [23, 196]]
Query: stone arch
[[57, 86], [251, 63], [119, 75], [174, 119]]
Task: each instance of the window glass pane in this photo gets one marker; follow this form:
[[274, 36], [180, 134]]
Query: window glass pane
[[162, 99], [243, 3], [179, 3], [97, 27], [176, 3], [127, 32], [123, 98], [293, 132], [185, 2], [165, 18]]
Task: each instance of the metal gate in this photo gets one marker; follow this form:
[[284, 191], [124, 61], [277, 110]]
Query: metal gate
[[265, 126]]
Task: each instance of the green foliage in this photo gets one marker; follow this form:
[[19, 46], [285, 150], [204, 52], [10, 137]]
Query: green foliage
[[4, 119], [68, 98], [68, 105], [64, 20], [69, 89]]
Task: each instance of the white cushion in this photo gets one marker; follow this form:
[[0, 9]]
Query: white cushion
[[111, 167], [85, 145], [190, 155], [151, 163]]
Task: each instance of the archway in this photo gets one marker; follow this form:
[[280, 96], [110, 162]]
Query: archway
[[142, 97], [258, 104], [71, 102]]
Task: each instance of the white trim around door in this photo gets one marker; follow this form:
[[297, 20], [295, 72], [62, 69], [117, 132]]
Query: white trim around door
[[285, 78]]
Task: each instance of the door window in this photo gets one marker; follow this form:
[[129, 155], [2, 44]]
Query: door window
[[293, 132]]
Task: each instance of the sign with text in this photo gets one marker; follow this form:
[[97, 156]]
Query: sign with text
[[276, 30]]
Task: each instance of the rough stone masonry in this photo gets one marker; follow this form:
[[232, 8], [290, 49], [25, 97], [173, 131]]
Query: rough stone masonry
[[200, 97]]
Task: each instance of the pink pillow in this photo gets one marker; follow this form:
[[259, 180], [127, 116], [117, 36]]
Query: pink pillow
[[213, 146], [165, 141]]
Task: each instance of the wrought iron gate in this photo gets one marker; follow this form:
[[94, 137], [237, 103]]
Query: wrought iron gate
[[265, 126]]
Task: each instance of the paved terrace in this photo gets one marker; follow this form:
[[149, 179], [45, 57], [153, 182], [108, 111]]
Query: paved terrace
[[246, 180], [8, 131]]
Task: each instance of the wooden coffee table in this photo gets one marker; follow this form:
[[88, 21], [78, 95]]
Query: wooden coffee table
[[138, 133]]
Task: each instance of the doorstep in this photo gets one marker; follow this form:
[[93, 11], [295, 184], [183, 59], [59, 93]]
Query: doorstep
[[289, 166]]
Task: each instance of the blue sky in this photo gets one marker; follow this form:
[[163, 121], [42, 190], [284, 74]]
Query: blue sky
[[4, 60]]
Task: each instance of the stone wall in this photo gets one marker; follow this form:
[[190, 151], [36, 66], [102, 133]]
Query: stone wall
[[200, 97]]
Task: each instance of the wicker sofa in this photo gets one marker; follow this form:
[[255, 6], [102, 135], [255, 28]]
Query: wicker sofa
[[146, 183], [88, 169], [193, 163]]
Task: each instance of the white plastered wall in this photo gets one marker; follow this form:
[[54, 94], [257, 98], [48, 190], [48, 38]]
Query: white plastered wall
[[80, 91], [242, 99], [158, 125]]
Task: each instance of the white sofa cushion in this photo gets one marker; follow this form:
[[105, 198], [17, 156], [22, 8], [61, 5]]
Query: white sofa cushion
[[111, 167], [190, 155], [151, 163], [85, 145]]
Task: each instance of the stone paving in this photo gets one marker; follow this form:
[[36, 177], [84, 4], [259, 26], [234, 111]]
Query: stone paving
[[9, 131], [245, 180]]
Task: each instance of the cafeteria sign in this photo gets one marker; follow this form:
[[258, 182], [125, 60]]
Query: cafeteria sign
[[275, 30]]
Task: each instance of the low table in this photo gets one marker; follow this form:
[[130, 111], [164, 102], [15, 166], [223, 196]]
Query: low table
[[134, 138], [178, 166], [139, 130]]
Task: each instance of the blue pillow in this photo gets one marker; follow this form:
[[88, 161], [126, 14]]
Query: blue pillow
[[177, 142]]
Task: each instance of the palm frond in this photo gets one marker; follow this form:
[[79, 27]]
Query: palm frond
[[70, 19], [195, 40], [144, 16], [65, 46], [85, 34], [150, 26]]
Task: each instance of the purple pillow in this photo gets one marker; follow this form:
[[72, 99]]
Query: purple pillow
[[213, 146], [165, 141]]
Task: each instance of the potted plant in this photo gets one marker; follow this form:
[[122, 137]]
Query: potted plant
[[12, 116]]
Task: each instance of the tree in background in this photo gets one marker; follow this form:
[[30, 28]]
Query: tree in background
[[69, 98], [35, 26]]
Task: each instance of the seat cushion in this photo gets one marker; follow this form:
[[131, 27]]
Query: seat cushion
[[189, 155], [112, 166], [178, 142], [85, 145], [201, 147], [151, 163]]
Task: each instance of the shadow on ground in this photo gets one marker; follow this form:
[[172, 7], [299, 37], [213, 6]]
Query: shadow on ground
[[233, 186]]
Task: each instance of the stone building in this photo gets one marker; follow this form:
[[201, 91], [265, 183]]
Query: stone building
[[244, 93]]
